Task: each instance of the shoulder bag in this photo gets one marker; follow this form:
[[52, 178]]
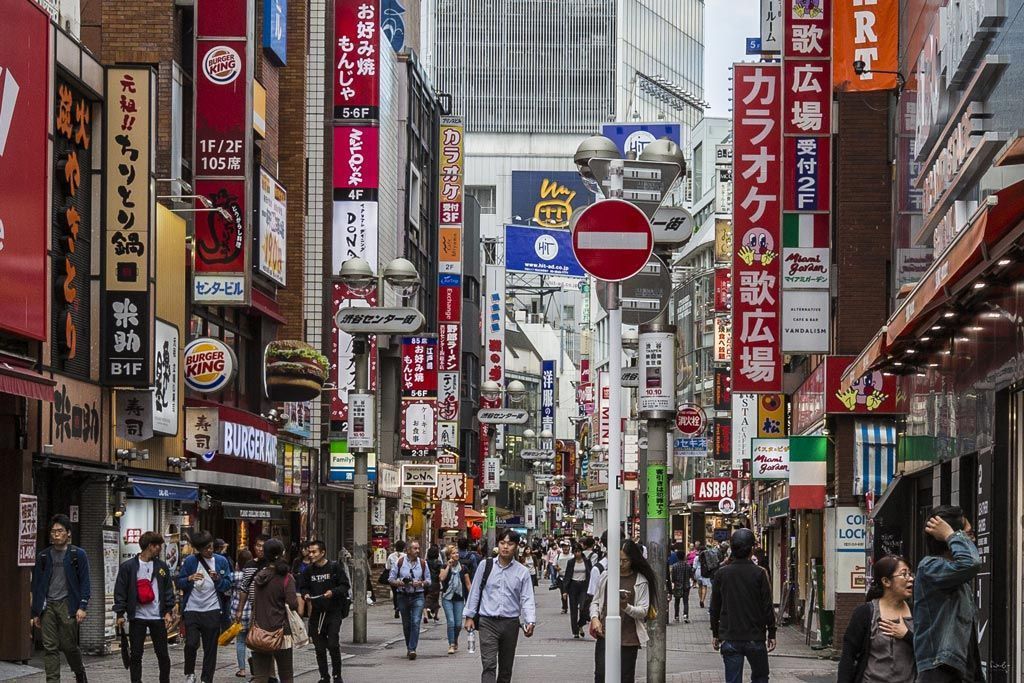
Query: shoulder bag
[[260, 639]]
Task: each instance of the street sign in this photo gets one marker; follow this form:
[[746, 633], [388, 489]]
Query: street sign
[[533, 454], [555, 490], [503, 416], [754, 46], [630, 378], [600, 465], [644, 295], [691, 420], [612, 240], [359, 320], [672, 226], [690, 447], [644, 183]]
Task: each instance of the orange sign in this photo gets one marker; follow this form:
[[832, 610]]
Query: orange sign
[[864, 31], [450, 245]]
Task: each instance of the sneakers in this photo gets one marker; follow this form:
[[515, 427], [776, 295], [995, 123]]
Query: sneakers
[[677, 620], [190, 678], [686, 618], [81, 678], [451, 649], [397, 615], [412, 655]]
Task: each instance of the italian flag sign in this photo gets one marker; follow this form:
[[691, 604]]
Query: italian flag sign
[[805, 230], [808, 467]]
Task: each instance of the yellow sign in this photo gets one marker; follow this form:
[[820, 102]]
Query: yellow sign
[[723, 240], [450, 244], [771, 415]]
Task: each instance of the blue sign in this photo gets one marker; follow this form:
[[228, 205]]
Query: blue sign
[[807, 188], [634, 137], [690, 447], [343, 463], [155, 489], [448, 279], [392, 23], [547, 395], [754, 46], [548, 198], [275, 30], [540, 250]]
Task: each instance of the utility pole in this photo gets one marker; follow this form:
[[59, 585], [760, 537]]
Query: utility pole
[[360, 502], [492, 495]]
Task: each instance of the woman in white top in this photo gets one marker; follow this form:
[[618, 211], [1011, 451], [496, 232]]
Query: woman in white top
[[561, 561], [577, 575], [637, 592]]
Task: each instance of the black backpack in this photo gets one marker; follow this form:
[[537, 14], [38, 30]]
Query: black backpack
[[708, 563]]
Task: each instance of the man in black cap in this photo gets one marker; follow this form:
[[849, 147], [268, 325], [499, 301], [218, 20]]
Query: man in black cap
[[742, 618]]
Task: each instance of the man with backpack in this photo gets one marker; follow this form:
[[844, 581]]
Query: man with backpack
[[60, 596], [707, 562], [500, 599], [325, 585], [410, 577], [144, 593], [205, 581]]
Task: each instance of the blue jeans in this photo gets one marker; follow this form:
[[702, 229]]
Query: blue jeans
[[241, 654], [410, 606], [453, 615], [755, 652]]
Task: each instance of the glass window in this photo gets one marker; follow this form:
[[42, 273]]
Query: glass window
[[485, 195]]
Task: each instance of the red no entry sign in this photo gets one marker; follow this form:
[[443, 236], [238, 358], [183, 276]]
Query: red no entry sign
[[612, 240]]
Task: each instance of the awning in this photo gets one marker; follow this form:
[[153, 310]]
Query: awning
[[472, 514], [874, 456], [254, 511], [976, 246], [160, 489], [893, 492], [26, 383]]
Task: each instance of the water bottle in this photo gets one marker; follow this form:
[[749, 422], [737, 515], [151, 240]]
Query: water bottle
[[472, 642]]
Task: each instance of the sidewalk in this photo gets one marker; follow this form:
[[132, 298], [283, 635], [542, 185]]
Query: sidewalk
[[550, 655]]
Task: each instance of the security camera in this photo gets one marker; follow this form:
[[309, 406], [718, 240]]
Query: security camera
[[859, 67]]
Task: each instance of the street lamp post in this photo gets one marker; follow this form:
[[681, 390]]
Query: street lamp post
[[358, 276], [491, 390]]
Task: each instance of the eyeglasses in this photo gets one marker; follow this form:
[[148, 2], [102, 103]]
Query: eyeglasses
[[905, 574]]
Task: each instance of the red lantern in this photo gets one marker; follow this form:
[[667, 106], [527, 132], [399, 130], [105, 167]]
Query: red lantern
[[475, 532]]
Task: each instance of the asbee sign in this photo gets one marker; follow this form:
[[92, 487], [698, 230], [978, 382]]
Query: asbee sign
[[210, 365], [713, 490]]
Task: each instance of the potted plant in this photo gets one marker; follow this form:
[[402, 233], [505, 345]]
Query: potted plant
[[294, 371]]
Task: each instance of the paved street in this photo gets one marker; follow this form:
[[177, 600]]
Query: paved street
[[550, 654]]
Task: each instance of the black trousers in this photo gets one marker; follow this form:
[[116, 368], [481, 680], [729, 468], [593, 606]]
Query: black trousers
[[627, 669], [324, 629], [498, 639], [137, 629], [577, 596], [202, 627], [686, 602]]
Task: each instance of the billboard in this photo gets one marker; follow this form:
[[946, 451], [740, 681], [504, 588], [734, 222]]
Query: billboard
[[24, 98], [548, 198], [545, 251], [273, 244], [634, 137], [868, 33], [418, 373]]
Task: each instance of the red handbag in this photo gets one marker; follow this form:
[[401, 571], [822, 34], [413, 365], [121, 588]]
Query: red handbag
[[144, 590]]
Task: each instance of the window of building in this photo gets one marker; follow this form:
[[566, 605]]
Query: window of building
[[698, 174], [485, 195], [568, 313]]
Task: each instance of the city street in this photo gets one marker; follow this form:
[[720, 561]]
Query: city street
[[552, 653]]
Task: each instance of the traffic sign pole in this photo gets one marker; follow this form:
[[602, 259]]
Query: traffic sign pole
[[613, 621]]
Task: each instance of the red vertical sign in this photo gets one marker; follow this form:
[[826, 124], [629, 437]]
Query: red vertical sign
[[418, 374], [757, 216], [356, 59]]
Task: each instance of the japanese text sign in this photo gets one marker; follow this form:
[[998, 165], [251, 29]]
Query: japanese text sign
[[808, 29], [419, 367], [547, 395], [807, 185], [356, 59], [808, 98], [756, 353], [451, 163]]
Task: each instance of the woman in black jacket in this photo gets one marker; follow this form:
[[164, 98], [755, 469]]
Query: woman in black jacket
[[878, 646], [574, 584]]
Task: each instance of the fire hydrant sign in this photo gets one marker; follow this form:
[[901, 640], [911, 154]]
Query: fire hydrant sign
[[769, 458], [28, 521]]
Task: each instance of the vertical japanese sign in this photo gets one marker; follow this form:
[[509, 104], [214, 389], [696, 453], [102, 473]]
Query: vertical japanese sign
[[494, 347], [807, 186], [419, 397], [221, 143], [342, 357], [356, 59], [126, 320], [72, 218], [757, 135], [28, 528], [585, 389], [449, 285], [547, 395], [24, 97], [657, 357], [771, 25]]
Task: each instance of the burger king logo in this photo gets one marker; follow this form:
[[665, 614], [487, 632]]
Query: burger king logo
[[209, 365], [222, 65]]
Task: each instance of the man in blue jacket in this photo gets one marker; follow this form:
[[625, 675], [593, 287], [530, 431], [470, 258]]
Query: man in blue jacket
[[60, 596], [144, 592], [205, 581]]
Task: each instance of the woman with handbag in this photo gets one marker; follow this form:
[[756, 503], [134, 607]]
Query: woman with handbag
[[272, 628], [637, 594], [455, 585]]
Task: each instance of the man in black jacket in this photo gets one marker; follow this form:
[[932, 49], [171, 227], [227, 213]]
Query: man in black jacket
[[144, 592], [742, 618], [325, 585]]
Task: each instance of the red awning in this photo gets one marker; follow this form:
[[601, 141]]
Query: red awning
[[24, 382], [263, 304], [999, 216]]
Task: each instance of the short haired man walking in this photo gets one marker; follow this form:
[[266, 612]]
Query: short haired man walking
[[144, 593], [742, 618], [203, 579], [500, 598], [325, 585], [60, 596], [410, 577]]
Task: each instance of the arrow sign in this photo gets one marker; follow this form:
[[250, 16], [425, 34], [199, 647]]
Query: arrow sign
[[531, 454], [612, 240], [358, 320], [503, 416]]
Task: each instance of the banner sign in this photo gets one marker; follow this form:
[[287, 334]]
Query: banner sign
[[713, 489], [222, 113], [806, 322], [547, 395], [494, 351], [166, 378], [808, 109], [867, 33], [723, 290], [451, 161], [548, 199], [721, 445], [771, 415], [546, 251], [722, 389], [273, 244], [808, 30], [342, 370], [744, 427], [657, 372], [356, 59], [808, 184], [28, 528], [419, 396], [24, 210], [723, 339], [771, 26], [362, 415], [492, 474], [756, 352], [769, 458]]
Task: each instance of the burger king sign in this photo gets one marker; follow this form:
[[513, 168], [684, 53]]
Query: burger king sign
[[222, 65], [210, 365]]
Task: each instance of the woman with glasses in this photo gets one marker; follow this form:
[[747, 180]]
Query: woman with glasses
[[879, 643], [638, 590]]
